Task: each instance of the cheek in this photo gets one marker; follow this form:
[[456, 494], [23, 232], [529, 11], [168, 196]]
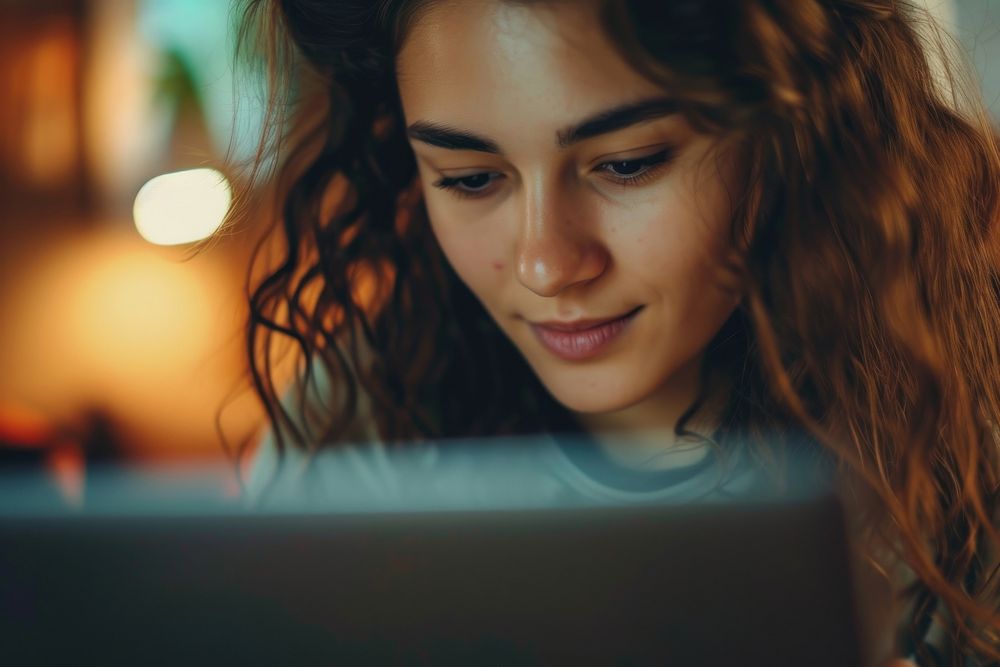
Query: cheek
[[682, 240], [670, 247], [474, 252]]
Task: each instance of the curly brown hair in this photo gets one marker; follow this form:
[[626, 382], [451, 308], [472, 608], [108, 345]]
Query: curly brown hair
[[867, 228]]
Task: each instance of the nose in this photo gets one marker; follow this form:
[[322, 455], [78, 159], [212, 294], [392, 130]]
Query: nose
[[557, 248]]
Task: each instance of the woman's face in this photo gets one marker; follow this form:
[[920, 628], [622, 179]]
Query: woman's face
[[588, 219]]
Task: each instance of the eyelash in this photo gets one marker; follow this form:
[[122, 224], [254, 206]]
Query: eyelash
[[651, 165]]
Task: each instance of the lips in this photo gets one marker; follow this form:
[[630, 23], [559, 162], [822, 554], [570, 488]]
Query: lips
[[582, 339]]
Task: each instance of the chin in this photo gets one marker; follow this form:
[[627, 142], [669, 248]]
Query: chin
[[594, 397]]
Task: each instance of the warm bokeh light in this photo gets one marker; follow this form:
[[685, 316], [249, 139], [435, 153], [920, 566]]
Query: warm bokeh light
[[182, 207], [147, 338]]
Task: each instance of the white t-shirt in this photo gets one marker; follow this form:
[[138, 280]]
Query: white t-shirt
[[544, 471]]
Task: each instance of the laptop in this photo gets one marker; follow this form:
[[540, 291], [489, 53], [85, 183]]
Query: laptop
[[749, 583]]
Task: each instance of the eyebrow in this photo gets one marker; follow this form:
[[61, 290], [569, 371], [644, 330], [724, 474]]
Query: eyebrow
[[443, 136], [603, 122]]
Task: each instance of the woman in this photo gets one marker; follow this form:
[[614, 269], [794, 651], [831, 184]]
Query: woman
[[746, 222]]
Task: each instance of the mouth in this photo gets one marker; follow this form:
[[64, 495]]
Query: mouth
[[578, 340]]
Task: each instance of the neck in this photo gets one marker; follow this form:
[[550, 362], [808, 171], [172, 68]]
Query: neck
[[642, 435]]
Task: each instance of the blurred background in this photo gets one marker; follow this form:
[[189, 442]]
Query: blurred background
[[121, 337], [118, 342]]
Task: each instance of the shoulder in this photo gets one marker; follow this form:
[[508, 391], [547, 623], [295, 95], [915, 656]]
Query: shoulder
[[281, 462], [371, 475], [360, 471]]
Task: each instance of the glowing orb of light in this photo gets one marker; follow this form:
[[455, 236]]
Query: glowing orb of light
[[182, 207]]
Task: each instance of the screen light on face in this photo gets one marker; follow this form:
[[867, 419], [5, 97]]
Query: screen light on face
[[182, 207]]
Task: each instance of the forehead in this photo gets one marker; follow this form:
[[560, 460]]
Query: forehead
[[480, 61]]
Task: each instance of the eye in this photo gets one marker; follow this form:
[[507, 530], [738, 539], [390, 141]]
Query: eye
[[473, 185], [636, 170]]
